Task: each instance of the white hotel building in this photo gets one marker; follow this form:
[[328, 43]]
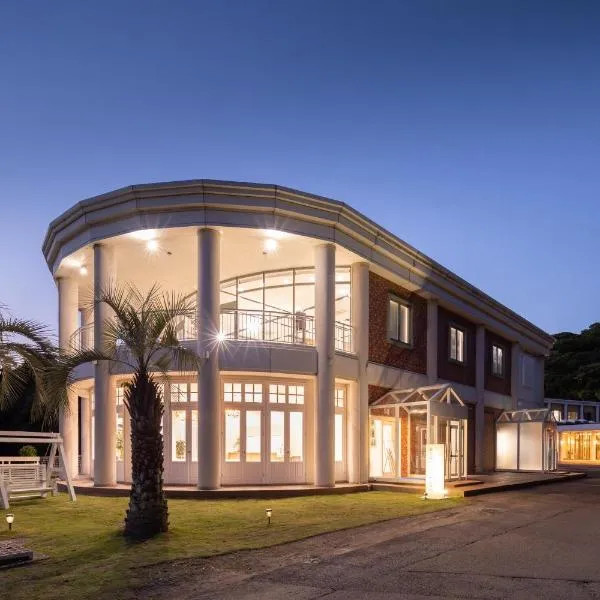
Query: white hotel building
[[316, 324]]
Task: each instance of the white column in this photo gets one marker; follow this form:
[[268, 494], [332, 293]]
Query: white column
[[86, 436], [516, 374], [87, 318], [209, 397], [324, 333], [105, 419], [480, 351], [432, 340], [358, 442], [68, 316]]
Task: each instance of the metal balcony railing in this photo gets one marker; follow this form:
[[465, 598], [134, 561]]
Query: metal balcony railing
[[254, 325]]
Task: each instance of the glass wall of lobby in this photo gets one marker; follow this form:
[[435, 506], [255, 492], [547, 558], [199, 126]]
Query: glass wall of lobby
[[266, 423]]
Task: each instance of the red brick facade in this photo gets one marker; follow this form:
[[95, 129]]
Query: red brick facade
[[448, 369], [493, 383], [381, 349]]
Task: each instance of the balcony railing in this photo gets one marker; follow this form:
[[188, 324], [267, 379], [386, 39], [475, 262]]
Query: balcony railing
[[259, 326]]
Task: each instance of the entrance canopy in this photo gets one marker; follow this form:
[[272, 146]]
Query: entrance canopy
[[423, 416], [440, 400]]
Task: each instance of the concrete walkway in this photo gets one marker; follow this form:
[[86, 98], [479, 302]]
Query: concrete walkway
[[537, 543]]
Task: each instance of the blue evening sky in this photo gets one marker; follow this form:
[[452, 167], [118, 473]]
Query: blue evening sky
[[471, 129]]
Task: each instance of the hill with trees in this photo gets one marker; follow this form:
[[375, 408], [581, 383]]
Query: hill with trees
[[573, 367]]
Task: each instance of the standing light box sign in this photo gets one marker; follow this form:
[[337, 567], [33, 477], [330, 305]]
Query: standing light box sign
[[434, 471]]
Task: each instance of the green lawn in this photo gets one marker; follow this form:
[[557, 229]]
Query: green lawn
[[88, 557]]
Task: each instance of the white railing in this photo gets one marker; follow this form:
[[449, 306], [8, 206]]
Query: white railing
[[254, 325]]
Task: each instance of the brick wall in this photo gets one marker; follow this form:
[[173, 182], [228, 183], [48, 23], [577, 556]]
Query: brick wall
[[448, 369], [493, 383], [381, 349]]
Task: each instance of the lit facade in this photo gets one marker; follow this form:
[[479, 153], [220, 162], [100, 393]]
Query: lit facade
[[307, 314]]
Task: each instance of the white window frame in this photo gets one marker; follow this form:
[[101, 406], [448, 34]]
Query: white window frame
[[399, 332], [453, 348]]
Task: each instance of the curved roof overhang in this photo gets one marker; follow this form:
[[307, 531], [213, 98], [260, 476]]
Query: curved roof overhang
[[208, 203]]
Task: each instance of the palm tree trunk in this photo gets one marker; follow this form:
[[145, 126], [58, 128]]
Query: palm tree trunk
[[147, 514]]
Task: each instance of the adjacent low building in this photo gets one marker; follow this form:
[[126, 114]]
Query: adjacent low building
[[578, 430], [337, 350]]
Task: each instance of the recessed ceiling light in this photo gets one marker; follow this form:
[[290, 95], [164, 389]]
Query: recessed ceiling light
[[152, 246], [270, 245], [83, 270], [275, 234], [144, 234]]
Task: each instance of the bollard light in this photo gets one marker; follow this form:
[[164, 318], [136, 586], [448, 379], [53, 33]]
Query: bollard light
[[269, 513], [9, 519]]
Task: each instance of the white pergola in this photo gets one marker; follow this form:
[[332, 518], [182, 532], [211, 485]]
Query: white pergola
[[439, 402]]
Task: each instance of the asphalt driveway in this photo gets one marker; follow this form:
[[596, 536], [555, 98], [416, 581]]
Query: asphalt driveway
[[537, 543]]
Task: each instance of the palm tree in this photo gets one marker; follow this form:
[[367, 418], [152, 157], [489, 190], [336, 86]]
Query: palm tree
[[143, 336], [26, 354]]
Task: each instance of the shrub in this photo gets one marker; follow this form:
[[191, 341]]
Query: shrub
[[28, 451]]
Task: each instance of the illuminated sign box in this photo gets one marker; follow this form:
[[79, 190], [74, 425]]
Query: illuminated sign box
[[434, 471]]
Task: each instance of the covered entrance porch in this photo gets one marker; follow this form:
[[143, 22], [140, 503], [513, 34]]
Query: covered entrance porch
[[402, 424]]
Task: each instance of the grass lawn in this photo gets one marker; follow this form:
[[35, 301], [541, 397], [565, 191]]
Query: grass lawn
[[88, 557]]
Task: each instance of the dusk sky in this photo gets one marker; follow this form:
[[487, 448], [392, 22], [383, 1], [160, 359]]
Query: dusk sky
[[471, 129]]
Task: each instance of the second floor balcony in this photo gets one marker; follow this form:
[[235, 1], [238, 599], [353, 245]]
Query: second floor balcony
[[247, 325]]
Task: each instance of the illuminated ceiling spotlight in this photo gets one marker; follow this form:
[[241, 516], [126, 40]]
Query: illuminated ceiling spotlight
[[152, 246], [270, 246], [144, 234], [220, 337], [83, 270]]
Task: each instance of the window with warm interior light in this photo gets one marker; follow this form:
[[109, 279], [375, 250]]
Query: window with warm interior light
[[457, 344], [178, 436], [399, 317], [232, 435], [497, 361]]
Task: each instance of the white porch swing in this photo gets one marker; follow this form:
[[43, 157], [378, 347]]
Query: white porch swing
[[25, 477]]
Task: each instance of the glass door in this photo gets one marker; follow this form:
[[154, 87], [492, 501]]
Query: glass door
[[341, 473], [383, 455], [243, 443], [453, 451], [285, 436], [182, 449]]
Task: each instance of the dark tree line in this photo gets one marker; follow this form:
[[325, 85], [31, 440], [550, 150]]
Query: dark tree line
[[573, 367]]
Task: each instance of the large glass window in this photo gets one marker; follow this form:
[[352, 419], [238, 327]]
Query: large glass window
[[399, 321], [265, 302], [119, 395], [296, 436], [277, 393], [120, 438], [277, 436], [296, 394], [457, 344], [232, 435], [232, 392], [498, 361], [178, 436], [253, 392], [253, 437], [179, 392], [195, 436], [339, 437]]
